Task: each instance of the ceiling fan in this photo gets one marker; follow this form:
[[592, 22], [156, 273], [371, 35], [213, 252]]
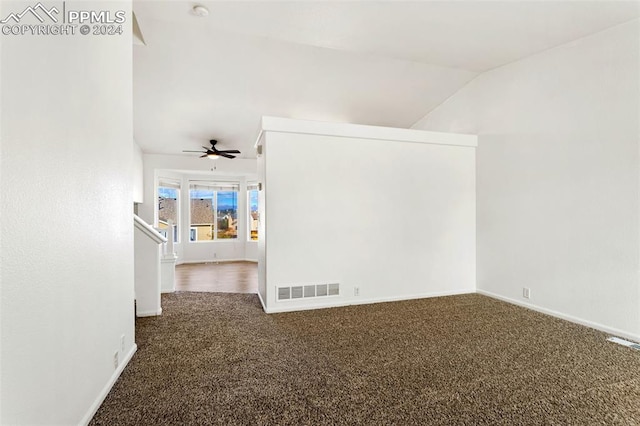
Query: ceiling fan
[[214, 153]]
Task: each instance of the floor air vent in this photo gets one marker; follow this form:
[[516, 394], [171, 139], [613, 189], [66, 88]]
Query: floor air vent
[[307, 291]]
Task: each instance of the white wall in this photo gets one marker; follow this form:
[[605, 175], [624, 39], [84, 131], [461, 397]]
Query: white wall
[[557, 179], [262, 206], [395, 219], [66, 229], [138, 174], [184, 168]]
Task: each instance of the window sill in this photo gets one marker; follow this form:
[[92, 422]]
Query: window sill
[[223, 240]]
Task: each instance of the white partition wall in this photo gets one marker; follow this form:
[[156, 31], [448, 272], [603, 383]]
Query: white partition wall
[[358, 214]]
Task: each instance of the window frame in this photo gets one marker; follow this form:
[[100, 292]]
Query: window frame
[[173, 184], [215, 186], [252, 186]]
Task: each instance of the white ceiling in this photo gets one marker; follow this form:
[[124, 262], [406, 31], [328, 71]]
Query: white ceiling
[[379, 63]]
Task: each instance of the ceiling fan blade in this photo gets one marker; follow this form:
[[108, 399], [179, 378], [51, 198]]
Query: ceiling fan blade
[[224, 154], [230, 151], [205, 148], [184, 150], [202, 156]]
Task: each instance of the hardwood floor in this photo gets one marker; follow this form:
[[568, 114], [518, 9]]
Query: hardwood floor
[[220, 277]]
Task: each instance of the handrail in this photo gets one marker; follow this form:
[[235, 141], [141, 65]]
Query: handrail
[[148, 230]]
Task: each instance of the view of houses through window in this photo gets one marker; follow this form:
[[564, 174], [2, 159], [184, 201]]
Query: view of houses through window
[[168, 207], [252, 192], [214, 210]]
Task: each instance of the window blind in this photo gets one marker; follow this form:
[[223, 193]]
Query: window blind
[[168, 183], [214, 186]]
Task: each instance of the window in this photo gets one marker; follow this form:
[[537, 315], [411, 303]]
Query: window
[[252, 203], [168, 207], [214, 210]]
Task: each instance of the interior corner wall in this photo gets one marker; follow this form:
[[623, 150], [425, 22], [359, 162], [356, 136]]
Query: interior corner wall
[[66, 245], [558, 178], [394, 220]]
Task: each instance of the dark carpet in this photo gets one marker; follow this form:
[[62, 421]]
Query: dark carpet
[[215, 358]]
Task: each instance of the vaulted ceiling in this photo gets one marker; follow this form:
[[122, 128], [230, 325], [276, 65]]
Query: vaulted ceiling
[[379, 63]]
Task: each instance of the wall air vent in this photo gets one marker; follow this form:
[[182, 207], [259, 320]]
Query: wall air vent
[[307, 291]]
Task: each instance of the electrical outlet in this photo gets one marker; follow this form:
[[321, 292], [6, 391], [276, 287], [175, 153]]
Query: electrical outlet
[[356, 291], [115, 360], [526, 292], [215, 255], [122, 343]]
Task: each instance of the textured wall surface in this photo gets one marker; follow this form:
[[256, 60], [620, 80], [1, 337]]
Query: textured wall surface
[[557, 169], [67, 227]]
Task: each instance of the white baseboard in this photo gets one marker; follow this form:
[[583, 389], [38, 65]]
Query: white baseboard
[[149, 313], [566, 317], [173, 290], [107, 388], [215, 261], [336, 303]]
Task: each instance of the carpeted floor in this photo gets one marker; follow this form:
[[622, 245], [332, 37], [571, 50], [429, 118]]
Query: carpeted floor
[[215, 358]]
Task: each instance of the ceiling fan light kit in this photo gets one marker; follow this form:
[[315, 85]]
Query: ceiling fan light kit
[[214, 153]]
